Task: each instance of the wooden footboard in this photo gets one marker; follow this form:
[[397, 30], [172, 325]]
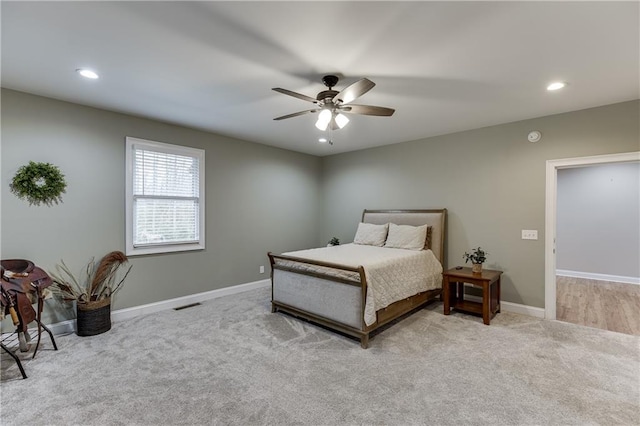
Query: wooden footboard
[[345, 285]]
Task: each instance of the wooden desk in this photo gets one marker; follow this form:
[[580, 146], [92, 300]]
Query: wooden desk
[[453, 292]]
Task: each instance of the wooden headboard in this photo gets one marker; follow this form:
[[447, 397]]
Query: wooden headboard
[[435, 218]]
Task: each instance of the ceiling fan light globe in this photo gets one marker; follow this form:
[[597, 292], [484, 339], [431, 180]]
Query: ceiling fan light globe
[[341, 120], [321, 125], [325, 115], [323, 119]]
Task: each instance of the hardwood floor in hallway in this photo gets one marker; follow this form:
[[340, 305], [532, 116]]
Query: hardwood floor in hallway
[[600, 304]]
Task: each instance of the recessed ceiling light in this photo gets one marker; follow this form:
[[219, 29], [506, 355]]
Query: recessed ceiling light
[[322, 140], [556, 85], [87, 73]]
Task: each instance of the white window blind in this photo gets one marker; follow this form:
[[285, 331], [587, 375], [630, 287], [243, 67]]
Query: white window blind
[[166, 210]]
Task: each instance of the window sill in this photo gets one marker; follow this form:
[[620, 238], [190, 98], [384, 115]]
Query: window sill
[[140, 251]]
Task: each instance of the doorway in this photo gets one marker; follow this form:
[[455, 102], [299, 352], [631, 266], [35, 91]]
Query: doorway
[[551, 215]]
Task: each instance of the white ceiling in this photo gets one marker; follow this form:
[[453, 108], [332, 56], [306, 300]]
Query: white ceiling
[[444, 66]]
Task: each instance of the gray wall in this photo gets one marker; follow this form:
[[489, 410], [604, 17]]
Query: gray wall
[[598, 219], [491, 180], [258, 199]]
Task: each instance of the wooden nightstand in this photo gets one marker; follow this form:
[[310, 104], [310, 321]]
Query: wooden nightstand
[[453, 292]]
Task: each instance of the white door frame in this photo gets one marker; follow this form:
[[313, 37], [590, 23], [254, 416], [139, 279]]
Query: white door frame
[[551, 211]]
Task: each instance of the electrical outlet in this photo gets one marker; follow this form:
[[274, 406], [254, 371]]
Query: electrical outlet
[[529, 234], [262, 269]]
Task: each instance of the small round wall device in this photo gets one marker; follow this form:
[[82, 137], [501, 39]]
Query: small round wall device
[[534, 136]]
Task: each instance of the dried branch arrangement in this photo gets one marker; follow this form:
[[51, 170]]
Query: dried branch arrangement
[[98, 281]]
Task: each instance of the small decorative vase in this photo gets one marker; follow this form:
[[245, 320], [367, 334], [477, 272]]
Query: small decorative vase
[[476, 268]]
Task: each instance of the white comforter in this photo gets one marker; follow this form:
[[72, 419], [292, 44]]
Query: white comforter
[[392, 274]]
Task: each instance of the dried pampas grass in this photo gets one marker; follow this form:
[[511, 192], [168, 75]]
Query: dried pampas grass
[[99, 280]]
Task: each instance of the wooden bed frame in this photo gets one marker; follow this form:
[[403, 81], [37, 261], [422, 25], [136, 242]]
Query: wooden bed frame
[[435, 218]]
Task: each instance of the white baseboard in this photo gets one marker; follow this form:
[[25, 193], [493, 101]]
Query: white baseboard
[[599, 277], [128, 313], [63, 327], [515, 308], [67, 327]]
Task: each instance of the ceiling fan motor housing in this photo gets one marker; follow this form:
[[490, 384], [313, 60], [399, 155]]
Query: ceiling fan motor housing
[[327, 95]]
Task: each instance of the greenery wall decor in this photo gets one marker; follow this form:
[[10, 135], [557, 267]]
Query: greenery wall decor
[[39, 183]]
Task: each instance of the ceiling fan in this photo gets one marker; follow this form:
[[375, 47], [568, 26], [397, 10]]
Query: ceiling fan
[[332, 104]]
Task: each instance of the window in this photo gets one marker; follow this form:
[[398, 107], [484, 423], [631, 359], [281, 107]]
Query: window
[[164, 197]]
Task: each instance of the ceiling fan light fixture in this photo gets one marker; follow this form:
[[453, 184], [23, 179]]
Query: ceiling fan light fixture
[[331, 104], [341, 120], [323, 119]]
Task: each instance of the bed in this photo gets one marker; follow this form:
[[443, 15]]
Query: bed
[[357, 288]]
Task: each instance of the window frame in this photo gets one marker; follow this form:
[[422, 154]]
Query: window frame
[[130, 145]]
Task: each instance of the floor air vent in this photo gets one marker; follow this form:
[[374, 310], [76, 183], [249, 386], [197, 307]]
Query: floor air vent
[[191, 305]]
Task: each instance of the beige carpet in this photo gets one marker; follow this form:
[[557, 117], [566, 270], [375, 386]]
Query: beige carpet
[[232, 362]]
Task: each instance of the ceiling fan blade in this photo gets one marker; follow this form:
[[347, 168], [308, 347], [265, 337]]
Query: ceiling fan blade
[[354, 91], [295, 95], [295, 114], [368, 110]]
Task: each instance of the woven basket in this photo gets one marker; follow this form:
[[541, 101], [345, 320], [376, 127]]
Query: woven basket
[[94, 317]]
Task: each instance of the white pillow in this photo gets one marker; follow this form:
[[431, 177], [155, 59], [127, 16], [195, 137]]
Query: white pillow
[[406, 237], [370, 234]]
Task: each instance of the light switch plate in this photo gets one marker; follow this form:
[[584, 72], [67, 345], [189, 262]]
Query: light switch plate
[[529, 234]]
